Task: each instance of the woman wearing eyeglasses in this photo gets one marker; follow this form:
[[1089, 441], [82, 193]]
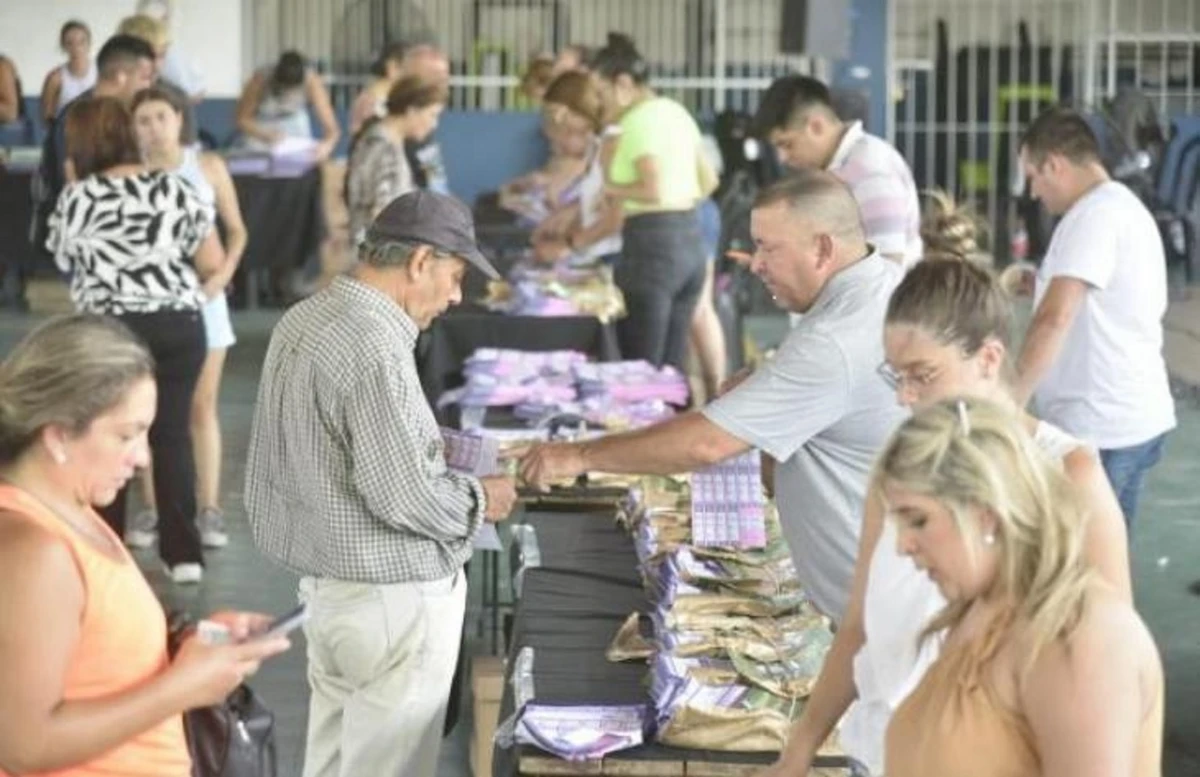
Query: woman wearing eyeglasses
[[946, 334]]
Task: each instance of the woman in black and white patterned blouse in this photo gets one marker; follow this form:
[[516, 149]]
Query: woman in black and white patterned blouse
[[137, 244]]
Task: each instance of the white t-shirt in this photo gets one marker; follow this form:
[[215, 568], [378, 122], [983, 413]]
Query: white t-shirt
[[1109, 385]]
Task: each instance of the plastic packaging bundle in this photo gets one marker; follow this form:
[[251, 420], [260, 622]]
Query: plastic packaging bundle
[[702, 703], [502, 377], [562, 289], [632, 381]]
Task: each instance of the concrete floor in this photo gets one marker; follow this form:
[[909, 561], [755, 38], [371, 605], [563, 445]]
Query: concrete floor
[[1166, 559]]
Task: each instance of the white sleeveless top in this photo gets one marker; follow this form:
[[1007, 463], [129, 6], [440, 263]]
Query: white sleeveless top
[[591, 199], [189, 170], [900, 600], [285, 113], [72, 86]]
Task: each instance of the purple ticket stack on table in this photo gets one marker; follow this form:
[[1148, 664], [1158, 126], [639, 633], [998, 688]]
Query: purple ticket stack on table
[[632, 381], [728, 508], [542, 385], [573, 733]]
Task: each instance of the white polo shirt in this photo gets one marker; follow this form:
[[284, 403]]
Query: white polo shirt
[[1109, 385]]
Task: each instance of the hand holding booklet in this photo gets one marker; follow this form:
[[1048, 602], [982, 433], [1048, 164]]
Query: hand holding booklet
[[476, 455]]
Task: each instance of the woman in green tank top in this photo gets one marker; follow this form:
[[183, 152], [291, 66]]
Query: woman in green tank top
[[659, 175]]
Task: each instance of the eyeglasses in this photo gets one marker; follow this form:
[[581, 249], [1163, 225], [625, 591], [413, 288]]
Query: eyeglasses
[[897, 379]]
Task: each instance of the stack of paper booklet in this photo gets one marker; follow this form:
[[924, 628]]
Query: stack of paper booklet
[[734, 644]]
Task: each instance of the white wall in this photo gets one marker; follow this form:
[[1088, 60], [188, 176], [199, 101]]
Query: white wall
[[208, 31]]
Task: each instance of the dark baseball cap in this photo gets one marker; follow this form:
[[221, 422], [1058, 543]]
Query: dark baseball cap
[[437, 220]]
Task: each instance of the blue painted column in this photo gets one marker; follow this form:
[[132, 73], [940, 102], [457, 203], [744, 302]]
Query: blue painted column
[[865, 71]]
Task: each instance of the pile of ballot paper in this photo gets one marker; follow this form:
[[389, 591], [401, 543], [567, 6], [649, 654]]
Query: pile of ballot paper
[[500, 377], [561, 289], [733, 643], [540, 386]]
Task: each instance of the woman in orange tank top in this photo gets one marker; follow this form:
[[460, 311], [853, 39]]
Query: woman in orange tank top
[[86, 687], [1045, 669]]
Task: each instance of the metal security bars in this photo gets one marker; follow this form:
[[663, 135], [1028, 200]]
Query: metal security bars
[[968, 75], [709, 54]]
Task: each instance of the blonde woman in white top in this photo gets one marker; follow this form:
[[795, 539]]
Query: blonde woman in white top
[[946, 334]]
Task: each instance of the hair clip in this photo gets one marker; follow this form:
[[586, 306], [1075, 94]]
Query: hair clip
[[963, 419]]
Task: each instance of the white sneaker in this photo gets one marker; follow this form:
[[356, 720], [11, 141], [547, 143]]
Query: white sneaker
[[187, 574], [211, 523], [142, 530]]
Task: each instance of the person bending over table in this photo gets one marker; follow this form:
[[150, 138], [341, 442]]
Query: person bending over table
[[660, 174], [947, 334], [158, 120], [274, 106], [347, 485], [86, 685], [591, 226], [555, 185], [1044, 668], [819, 407]]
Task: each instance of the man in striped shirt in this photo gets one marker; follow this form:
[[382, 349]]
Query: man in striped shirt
[[797, 117]]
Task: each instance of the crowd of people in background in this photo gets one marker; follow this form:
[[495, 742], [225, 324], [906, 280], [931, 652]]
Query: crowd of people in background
[[973, 554]]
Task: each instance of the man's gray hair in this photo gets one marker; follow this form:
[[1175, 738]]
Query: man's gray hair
[[385, 254], [820, 198]]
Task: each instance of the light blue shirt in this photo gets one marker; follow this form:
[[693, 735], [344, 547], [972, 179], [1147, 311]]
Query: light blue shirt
[[822, 410]]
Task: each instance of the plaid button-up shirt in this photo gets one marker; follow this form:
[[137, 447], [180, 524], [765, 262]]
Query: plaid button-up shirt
[[346, 476]]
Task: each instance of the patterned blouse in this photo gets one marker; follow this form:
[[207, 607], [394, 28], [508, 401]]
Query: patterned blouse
[[128, 242], [377, 173]]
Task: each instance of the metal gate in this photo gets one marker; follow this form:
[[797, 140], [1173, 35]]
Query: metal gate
[[968, 75], [709, 54]]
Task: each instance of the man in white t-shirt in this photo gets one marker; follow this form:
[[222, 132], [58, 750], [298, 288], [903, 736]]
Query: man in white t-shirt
[[1092, 358], [798, 118]]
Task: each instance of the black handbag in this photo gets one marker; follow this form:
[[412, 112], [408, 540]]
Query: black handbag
[[233, 739]]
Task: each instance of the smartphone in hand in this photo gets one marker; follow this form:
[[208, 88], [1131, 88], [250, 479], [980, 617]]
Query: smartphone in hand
[[284, 624]]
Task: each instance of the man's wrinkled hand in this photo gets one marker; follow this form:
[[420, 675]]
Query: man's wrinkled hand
[[547, 463], [501, 497]]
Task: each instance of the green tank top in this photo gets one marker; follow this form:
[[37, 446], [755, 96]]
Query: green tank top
[[663, 129]]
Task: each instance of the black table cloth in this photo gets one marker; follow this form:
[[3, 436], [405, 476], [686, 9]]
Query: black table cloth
[[570, 609], [285, 218], [16, 210]]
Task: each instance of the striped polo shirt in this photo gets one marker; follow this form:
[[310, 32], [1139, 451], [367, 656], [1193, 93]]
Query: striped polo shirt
[[883, 186]]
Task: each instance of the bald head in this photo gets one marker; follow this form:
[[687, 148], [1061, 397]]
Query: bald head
[[823, 201], [427, 62]]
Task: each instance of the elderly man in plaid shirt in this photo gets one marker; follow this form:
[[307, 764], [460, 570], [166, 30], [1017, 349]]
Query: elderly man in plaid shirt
[[347, 485]]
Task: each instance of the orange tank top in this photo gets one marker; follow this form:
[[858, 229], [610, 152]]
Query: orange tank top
[[955, 724], [122, 644]]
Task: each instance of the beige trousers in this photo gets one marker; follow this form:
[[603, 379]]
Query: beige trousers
[[381, 659]]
